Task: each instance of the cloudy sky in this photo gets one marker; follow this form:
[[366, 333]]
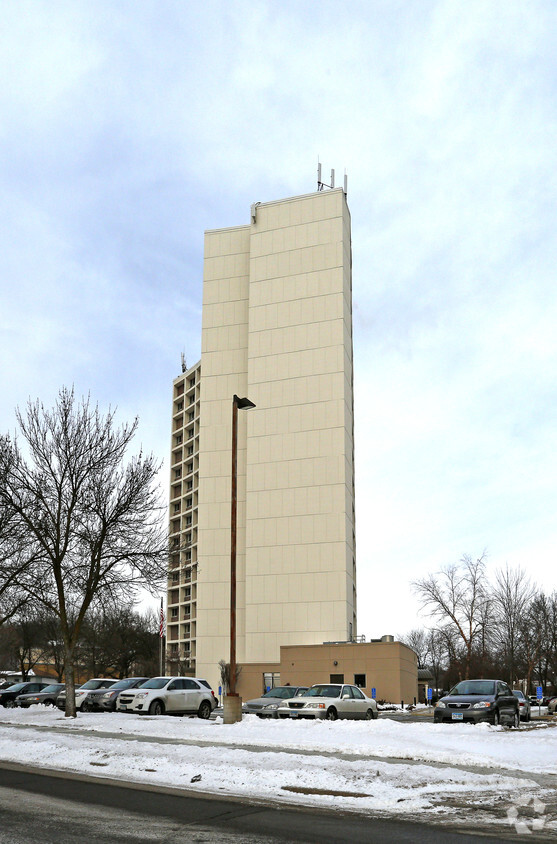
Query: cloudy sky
[[127, 128]]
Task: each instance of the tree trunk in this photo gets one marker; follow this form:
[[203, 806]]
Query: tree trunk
[[70, 683]]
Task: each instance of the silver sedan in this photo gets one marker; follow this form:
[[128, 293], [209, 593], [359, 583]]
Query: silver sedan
[[268, 704], [330, 701]]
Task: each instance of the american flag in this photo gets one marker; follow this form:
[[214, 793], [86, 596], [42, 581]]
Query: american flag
[[161, 624]]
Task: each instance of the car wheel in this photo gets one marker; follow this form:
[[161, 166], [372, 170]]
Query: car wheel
[[85, 706], [370, 715], [10, 704], [204, 710], [156, 708], [496, 719], [332, 714], [516, 721]]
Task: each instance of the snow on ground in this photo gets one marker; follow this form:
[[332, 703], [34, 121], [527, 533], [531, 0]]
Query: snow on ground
[[381, 766]]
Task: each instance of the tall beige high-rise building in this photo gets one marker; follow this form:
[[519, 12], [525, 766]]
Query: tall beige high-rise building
[[276, 328]]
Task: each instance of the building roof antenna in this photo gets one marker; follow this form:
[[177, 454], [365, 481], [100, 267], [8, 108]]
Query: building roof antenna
[[184, 363], [321, 184]]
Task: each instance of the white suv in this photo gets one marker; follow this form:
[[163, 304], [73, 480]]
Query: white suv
[[170, 695], [82, 691]]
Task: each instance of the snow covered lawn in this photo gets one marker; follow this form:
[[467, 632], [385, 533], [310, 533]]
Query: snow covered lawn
[[381, 766]]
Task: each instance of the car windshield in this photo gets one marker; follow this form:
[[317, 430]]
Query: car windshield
[[323, 691], [124, 684], [17, 687], [474, 687], [156, 683], [282, 692], [95, 684], [54, 688], [518, 693]]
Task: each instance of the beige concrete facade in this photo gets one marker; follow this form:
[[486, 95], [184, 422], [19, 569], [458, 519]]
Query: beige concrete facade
[[183, 523], [388, 667], [277, 328]]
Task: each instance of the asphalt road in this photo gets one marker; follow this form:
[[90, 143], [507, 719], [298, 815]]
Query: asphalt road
[[56, 809]]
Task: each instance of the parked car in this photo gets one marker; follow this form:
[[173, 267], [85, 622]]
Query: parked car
[[543, 701], [479, 700], [524, 708], [170, 695], [8, 696], [267, 705], [82, 692], [47, 696], [104, 699], [330, 701], [552, 705]]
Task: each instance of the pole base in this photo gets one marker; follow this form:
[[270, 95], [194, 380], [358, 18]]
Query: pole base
[[232, 709]]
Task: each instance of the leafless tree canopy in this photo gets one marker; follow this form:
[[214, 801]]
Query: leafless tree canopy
[[418, 640], [88, 523], [506, 628], [458, 598]]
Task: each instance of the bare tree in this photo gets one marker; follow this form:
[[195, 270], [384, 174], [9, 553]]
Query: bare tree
[[29, 641], [13, 560], [512, 595], [436, 657], [120, 640], [93, 523], [417, 639], [54, 645], [224, 668], [458, 597], [543, 614]]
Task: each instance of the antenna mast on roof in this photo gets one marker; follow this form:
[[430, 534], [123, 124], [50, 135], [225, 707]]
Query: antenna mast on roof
[[184, 364], [321, 184]]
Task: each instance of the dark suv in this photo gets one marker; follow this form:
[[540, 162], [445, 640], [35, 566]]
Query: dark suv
[[8, 696], [479, 700]]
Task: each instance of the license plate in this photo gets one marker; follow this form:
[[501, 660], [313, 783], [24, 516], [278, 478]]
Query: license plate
[[123, 706], [457, 716], [293, 714]]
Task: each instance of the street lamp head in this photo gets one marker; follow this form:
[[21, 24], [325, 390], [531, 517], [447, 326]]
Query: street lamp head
[[243, 404]]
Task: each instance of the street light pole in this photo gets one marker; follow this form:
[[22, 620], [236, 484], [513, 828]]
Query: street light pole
[[232, 702]]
